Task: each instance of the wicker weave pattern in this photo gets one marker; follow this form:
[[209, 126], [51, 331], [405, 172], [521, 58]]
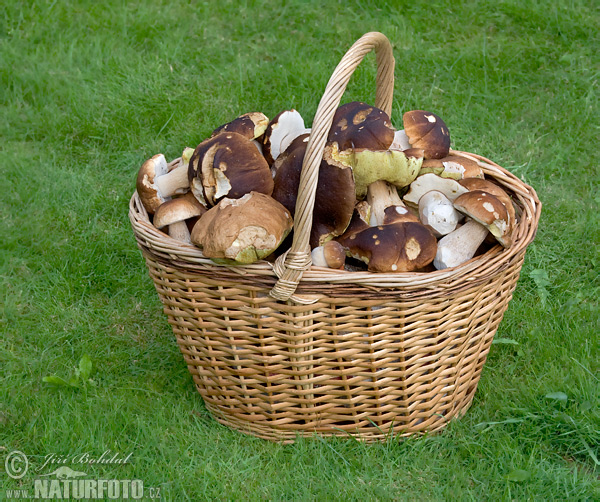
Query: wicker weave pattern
[[349, 353]]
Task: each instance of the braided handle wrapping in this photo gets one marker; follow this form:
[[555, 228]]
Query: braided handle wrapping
[[290, 266]]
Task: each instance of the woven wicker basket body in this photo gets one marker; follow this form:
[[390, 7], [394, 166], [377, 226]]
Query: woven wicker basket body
[[285, 349]]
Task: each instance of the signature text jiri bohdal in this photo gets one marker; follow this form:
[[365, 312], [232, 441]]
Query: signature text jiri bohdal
[[108, 457]]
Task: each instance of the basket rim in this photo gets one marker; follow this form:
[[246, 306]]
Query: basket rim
[[183, 255]]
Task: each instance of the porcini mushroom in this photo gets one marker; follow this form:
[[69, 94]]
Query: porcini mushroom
[[427, 131], [250, 125], [490, 187], [438, 213], [175, 212], [397, 167], [359, 125], [453, 166], [280, 132], [428, 182], [386, 204], [334, 197], [243, 230], [331, 254], [228, 165], [150, 195], [175, 181], [397, 247], [486, 215]]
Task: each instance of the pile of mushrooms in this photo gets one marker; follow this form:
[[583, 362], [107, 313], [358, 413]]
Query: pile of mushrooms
[[387, 200]]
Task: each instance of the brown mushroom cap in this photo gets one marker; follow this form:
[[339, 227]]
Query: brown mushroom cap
[[242, 231], [490, 187], [147, 190], [250, 125], [427, 131], [228, 165], [358, 125], [453, 166], [334, 197], [399, 214], [487, 210], [180, 209], [331, 255], [397, 247]]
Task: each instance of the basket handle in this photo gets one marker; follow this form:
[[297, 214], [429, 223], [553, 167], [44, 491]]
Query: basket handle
[[290, 266]]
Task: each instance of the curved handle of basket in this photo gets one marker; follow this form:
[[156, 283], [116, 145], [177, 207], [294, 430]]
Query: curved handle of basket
[[290, 266]]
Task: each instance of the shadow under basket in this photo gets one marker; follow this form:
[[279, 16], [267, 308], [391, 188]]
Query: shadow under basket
[[361, 354]]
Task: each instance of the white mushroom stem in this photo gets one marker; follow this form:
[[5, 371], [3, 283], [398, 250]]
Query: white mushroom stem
[[179, 231], [438, 213], [381, 195], [459, 246], [176, 181]]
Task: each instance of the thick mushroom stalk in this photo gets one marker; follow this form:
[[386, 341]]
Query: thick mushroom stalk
[[176, 181], [438, 213], [381, 195], [386, 205], [459, 246]]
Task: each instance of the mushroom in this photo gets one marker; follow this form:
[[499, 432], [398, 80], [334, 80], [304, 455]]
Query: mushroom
[[250, 125], [280, 132], [428, 182], [361, 217], [228, 165], [486, 214], [396, 247], [397, 167], [334, 197], [330, 255], [358, 125], [490, 187], [150, 195], [166, 183], [437, 212], [386, 205], [427, 131], [174, 213], [243, 230], [453, 166]]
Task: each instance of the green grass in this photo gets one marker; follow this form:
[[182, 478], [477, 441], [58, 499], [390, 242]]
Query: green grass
[[89, 90]]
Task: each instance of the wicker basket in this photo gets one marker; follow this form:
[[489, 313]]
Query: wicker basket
[[285, 349]]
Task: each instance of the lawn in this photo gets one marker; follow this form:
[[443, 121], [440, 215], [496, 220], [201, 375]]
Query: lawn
[[89, 90]]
